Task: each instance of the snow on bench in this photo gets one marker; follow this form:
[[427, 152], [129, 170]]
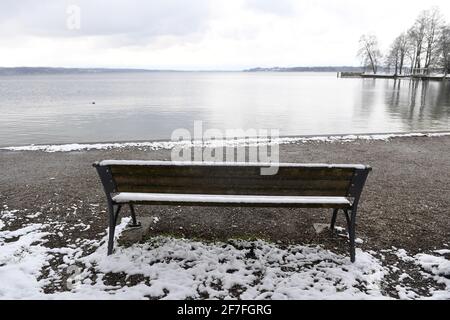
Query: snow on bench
[[239, 164], [125, 197]]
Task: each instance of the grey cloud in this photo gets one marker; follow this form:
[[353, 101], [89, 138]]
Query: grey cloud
[[278, 7], [135, 19]]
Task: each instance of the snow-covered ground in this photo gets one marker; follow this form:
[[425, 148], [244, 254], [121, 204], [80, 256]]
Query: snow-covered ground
[[171, 268]]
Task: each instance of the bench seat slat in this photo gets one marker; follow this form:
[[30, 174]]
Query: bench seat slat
[[235, 182], [238, 200], [233, 171]]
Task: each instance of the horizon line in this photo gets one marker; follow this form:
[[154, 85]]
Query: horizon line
[[178, 70]]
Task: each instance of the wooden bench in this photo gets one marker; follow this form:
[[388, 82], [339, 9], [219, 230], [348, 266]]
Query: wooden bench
[[336, 186]]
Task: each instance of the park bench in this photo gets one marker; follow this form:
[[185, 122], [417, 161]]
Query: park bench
[[333, 186]]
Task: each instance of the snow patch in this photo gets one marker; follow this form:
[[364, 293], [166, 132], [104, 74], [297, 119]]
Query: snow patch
[[157, 145], [35, 215], [182, 268], [174, 268], [442, 251], [155, 220], [9, 215], [21, 262], [436, 267]]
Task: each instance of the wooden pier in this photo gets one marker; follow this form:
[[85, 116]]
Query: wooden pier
[[391, 76]]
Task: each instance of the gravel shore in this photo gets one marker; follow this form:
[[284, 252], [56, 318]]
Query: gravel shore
[[405, 203]]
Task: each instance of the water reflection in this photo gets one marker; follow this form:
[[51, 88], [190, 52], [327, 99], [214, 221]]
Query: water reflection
[[59, 109], [418, 104], [395, 97], [369, 96]]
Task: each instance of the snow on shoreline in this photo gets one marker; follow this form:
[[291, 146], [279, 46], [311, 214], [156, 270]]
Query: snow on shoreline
[[157, 145], [173, 268]]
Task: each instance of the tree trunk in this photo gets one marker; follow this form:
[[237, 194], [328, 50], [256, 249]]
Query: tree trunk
[[427, 58], [418, 53], [374, 70], [402, 58], [396, 66]]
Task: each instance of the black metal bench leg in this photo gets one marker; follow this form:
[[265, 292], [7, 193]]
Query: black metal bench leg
[[113, 215], [134, 222], [333, 219], [351, 234], [347, 219]]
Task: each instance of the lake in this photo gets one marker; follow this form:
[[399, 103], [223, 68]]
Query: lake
[[44, 109]]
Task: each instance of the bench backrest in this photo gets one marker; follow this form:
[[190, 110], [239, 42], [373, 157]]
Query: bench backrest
[[232, 178]]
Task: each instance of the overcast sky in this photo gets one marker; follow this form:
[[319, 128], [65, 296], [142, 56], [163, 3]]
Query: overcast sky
[[198, 34]]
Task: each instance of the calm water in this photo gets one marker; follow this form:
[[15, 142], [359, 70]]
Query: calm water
[[129, 107]]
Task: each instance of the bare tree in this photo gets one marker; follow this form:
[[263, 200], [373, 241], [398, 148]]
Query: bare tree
[[397, 53], [369, 51], [424, 35], [404, 48], [432, 29], [417, 36], [411, 53], [393, 57]]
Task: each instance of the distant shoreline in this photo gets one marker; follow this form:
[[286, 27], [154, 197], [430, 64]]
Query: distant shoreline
[[63, 70], [52, 71]]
